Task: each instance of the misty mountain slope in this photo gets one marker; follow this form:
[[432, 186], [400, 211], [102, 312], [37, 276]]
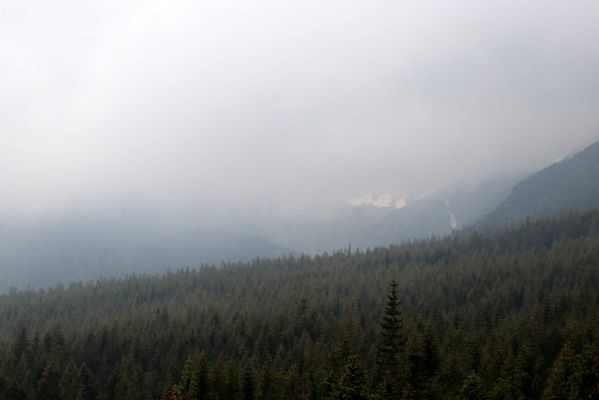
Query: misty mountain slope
[[93, 244], [571, 184], [423, 216], [66, 250]]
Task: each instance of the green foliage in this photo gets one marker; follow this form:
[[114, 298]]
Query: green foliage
[[85, 384], [352, 385], [391, 346], [49, 384], [195, 381], [392, 340], [500, 315], [471, 388], [249, 384], [574, 375], [422, 367]]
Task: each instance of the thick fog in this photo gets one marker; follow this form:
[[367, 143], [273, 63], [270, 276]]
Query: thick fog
[[275, 107]]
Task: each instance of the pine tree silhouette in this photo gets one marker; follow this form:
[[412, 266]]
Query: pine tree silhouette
[[391, 345]]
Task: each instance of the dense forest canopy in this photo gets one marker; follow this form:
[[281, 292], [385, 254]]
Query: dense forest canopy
[[257, 200], [500, 314]]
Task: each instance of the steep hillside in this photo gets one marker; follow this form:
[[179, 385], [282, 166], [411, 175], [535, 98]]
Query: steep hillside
[[571, 184]]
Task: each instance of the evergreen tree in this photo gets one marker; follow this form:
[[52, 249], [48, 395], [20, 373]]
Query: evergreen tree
[[527, 372], [69, 381], [194, 379], [267, 382], [353, 382], [21, 346], [574, 376], [391, 344], [49, 384], [85, 388], [232, 385], [249, 381], [422, 365], [173, 394], [471, 389], [14, 391]]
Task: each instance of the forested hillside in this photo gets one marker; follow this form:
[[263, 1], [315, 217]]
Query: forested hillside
[[512, 314], [570, 184]]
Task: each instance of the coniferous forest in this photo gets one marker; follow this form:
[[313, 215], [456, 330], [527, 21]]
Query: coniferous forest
[[505, 314]]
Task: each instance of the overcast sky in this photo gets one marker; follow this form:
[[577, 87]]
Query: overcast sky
[[284, 104]]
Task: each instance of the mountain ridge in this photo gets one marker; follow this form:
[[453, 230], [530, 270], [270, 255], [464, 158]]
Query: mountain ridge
[[571, 184]]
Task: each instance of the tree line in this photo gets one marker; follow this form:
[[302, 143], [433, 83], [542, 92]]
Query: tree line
[[505, 314]]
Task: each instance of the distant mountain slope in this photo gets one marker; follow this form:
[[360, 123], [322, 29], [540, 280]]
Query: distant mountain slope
[[367, 225], [571, 184], [66, 250]]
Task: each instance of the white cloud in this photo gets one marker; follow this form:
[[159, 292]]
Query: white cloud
[[288, 105]]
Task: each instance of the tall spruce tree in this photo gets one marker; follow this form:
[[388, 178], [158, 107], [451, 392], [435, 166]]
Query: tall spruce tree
[[391, 345]]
